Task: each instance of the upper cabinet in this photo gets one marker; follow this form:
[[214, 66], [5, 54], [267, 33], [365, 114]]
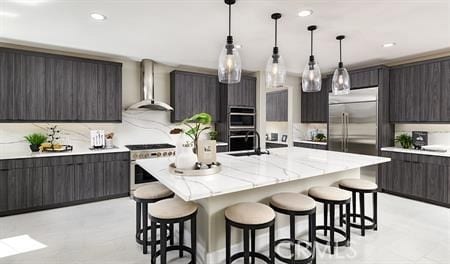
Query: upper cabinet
[[41, 87], [363, 78], [192, 93], [420, 92], [277, 106], [314, 106], [243, 93]]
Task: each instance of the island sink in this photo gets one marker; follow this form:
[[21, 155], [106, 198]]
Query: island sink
[[249, 153]]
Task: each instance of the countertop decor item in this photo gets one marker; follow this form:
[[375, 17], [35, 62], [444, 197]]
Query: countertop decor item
[[97, 138], [36, 140], [198, 170], [311, 77], [185, 158], [53, 135], [320, 137], [275, 68], [109, 140], [405, 140], [230, 67], [420, 139], [341, 79], [206, 151], [197, 124], [47, 147]]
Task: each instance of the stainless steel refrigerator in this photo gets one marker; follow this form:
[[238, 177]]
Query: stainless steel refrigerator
[[353, 122]]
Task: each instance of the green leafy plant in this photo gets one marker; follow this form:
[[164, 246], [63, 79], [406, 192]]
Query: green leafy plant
[[197, 124], [320, 137], [213, 135], [405, 140], [36, 139]]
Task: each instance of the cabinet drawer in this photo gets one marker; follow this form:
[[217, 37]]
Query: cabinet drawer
[[91, 158]]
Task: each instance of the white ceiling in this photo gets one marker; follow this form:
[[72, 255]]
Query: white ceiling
[[192, 32]]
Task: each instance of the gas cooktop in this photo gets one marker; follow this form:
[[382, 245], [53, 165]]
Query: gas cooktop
[[150, 146]]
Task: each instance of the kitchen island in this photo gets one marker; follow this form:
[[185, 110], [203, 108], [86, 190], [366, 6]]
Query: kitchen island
[[253, 179]]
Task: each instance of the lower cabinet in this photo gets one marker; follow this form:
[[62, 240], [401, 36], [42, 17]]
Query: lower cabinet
[[270, 145], [222, 149], [313, 146], [422, 177], [40, 183]]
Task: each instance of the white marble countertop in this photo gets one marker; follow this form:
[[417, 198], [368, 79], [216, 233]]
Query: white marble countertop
[[416, 151], [75, 151], [249, 172], [277, 142], [220, 143], [310, 142]]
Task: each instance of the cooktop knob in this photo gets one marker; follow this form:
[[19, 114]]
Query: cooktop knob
[[158, 154]]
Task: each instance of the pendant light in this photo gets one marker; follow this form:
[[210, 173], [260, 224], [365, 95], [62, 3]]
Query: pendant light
[[275, 69], [341, 79], [230, 67], [311, 77]]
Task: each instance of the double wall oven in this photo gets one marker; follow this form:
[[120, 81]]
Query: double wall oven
[[241, 128]]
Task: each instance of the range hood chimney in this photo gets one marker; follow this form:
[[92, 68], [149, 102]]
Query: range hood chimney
[[148, 89]]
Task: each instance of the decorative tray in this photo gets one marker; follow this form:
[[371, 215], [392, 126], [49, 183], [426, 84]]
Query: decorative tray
[[64, 148], [212, 169]]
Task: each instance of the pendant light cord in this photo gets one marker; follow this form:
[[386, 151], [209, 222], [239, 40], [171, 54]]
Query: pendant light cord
[[340, 50], [276, 32], [311, 42], [229, 20]]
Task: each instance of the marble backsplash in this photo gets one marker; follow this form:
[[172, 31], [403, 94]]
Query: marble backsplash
[[302, 130], [438, 134], [137, 127]]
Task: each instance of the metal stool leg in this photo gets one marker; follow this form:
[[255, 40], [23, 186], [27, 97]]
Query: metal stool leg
[[144, 227], [253, 245], [341, 222], [181, 237], [172, 237], [138, 217], [292, 237], [375, 211], [362, 214], [227, 243], [194, 239], [312, 228], [246, 246], [347, 223], [325, 215], [153, 242], [163, 239], [272, 243], [354, 206], [332, 228]]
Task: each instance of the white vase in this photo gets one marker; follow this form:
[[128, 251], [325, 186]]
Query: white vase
[[185, 157]]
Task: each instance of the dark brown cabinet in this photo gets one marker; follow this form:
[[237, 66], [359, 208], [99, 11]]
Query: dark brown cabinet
[[277, 106], [314, 106], [417, 176], [42, 87], [243, 93], [40, 183], [308, 145], [363, 78], [419, 92], [192, 93]]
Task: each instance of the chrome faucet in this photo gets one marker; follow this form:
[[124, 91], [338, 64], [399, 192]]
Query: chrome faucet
[[258, 146]]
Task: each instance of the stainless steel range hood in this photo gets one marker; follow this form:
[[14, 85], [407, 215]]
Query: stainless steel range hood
[[148, 89]]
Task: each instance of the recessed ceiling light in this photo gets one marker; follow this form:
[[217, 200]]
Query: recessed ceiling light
[[305, 13], [390, 44], [8, 14], [98, 16]]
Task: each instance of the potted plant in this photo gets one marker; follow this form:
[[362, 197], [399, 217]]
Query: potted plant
[[320, 137], [35, 140], [197, 124], [405, 140]]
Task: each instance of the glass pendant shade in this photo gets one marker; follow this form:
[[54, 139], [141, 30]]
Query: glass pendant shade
[[275, 72], [311, 78], [230, 66], [341, 81]]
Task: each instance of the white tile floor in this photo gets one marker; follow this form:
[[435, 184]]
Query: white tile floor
[[102, 233]]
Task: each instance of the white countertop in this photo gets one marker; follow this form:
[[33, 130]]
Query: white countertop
[[220, 143], [310, 142], [249, 172], [415, 151], [75, 151], [277, 142]]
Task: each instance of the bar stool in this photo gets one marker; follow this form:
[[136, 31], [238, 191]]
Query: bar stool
[[249, 217], [169, 212], [361, 187], [296, 204], [143, 196], [330, 197]]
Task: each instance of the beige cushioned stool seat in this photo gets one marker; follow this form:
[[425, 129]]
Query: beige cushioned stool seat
[[250, 213], [358, 184], [329, 193], [293, 202], [172, 208], [154, 190]]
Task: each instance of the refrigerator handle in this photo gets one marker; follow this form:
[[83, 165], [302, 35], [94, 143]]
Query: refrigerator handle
[[343, 132]]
